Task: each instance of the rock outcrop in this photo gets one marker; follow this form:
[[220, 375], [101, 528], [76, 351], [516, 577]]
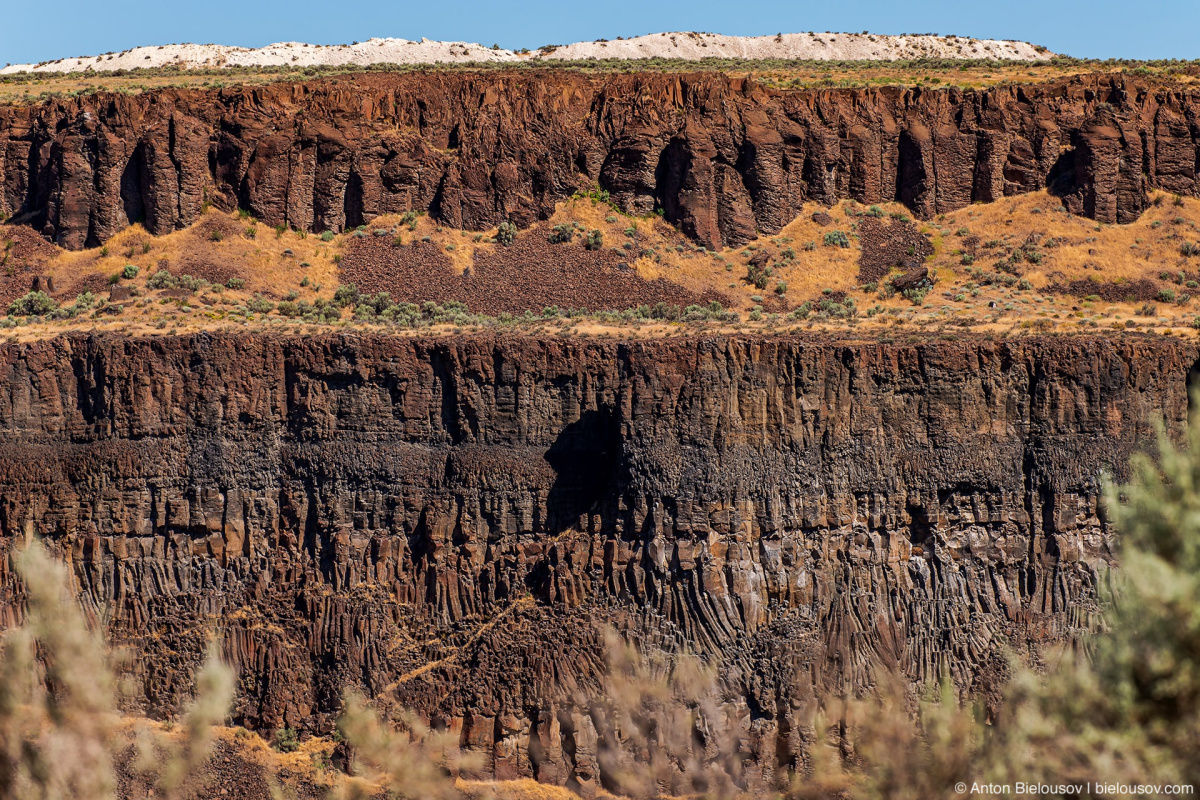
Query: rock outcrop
[[722, 157], [445, 523]]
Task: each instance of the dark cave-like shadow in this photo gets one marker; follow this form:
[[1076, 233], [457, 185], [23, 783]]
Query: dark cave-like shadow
[[584, 458]]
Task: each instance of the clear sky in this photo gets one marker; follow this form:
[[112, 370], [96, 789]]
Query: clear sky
[[40, 31]]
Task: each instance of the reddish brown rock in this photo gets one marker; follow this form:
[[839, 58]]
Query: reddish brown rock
[[724, 158]]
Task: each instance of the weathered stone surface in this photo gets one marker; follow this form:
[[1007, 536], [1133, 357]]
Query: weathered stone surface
[[443, 523], [723, 157]]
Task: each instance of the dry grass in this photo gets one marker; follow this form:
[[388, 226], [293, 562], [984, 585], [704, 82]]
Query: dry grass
[[933, 73], [527, 789], [260, 259], [1067, 248]]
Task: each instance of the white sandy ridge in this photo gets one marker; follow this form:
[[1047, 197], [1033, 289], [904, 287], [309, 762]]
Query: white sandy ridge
[[688, 46]]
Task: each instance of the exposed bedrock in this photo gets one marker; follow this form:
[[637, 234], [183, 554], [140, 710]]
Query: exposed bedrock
[[445, 523], [724, 158]]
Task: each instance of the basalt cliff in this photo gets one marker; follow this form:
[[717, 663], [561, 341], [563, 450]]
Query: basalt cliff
[[721, 157], [446, 524]]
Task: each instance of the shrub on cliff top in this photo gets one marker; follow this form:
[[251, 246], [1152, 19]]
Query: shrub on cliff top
[[836, 239], [561, 234], [506, 234], [346, 295], [162, 279], [32, 304], [259, 305]]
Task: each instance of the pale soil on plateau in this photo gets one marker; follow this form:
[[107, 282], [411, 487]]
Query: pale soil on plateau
[[688, 46]]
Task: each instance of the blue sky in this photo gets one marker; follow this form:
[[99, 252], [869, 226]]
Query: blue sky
[[30, 31]]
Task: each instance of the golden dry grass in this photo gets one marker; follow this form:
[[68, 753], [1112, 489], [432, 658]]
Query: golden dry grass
[[276, 264], [260, 259], [527, 789], [23, 89]]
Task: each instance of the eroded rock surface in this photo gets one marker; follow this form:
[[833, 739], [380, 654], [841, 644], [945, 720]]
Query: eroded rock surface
[[445, 523], [722, 157]]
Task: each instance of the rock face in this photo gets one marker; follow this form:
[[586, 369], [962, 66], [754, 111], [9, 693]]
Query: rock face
[[722, 157], [444, 524]]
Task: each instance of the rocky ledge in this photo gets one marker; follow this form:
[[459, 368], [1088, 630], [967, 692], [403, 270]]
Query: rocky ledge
[[722, 157], [445, 524]]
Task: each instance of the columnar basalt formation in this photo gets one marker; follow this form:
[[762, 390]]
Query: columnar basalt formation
[[722, 157], [445, 524]]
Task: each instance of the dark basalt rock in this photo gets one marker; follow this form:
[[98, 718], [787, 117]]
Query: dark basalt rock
[[445, 523], [724, 158], [914, 278]]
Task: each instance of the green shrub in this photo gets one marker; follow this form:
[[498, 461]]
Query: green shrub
[[561, 234], [506, 234], [163, 279], [375, 304], [130, 271], [235, 283], [596, 195], [757, 276], [327, 236], [594, 241], [259, 305], [832, 308], [836, 239], [346, 295], [32, 304], [190, 282], [286, 740]]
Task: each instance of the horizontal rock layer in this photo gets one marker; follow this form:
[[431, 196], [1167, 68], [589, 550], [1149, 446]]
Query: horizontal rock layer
[[724, 158], [446, 523]]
